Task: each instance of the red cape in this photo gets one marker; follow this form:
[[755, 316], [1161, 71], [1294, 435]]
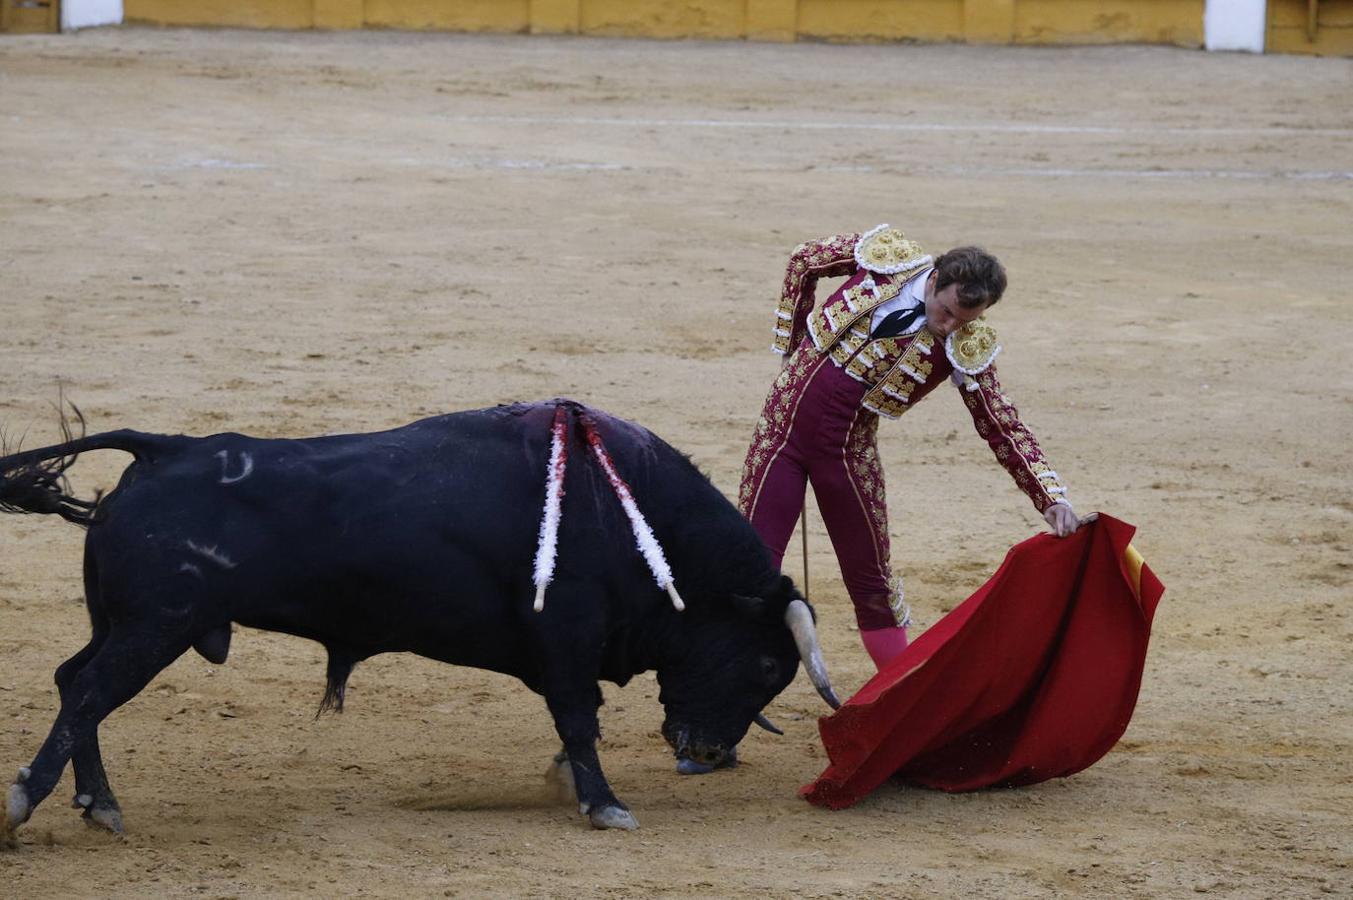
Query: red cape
[[1032, 677]]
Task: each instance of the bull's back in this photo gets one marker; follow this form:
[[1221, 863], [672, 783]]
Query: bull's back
[[420, 538], [337, 486]]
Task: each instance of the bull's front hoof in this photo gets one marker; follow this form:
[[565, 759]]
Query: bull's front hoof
[[613, 817]]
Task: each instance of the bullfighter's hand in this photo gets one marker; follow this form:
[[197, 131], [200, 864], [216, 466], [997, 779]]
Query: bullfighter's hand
[[1063, 519]]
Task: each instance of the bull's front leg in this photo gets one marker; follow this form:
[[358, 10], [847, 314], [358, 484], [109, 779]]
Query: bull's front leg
[[578, 729], [569, 667]]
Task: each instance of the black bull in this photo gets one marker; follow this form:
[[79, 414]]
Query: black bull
[[420, 539]]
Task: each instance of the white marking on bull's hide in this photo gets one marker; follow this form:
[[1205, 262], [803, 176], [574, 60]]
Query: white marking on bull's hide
[[190, 568], [246, 466], [548, 546], [643, 534], [212, 553]]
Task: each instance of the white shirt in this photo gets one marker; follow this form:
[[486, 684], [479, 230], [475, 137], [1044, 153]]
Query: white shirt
[[911, 295]]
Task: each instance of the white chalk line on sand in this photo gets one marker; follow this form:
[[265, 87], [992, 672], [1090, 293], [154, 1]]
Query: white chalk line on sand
[[540, 165], [458, 162], [586, 166], [966, 171], [225, 164], [902, 127]]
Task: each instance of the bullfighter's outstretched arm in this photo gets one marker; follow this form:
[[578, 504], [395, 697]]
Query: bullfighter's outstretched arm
[[998, 422], [810, 261]]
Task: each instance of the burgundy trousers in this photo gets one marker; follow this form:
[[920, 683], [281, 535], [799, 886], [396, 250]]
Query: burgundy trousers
[[813, 429]]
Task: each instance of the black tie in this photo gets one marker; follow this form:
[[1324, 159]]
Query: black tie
[[896, 323]]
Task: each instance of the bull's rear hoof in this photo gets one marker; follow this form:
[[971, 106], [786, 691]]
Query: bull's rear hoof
[[106, 817], [613, 817], [17, 811]]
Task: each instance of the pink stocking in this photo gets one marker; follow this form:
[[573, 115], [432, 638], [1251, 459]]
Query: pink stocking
[[884, 644]]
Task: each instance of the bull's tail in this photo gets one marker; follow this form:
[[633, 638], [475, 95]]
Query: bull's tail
[[34, 481], [342, 661]]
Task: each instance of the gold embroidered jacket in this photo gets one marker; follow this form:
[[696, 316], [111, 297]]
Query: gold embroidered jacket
[[899, 371]]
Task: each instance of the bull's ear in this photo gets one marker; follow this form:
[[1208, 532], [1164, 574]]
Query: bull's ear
[[751, 607], [770, 608]]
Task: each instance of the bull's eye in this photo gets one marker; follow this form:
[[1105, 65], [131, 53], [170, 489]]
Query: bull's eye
[[770, 669]]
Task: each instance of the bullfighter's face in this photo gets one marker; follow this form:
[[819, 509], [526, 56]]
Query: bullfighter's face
[[943, 313]]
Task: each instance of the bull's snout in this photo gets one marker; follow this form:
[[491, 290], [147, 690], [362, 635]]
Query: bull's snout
[[708, 756], [677, 737], [695, 755]]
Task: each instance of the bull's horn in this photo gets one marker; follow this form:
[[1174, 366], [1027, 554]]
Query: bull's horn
[[767, 724], [800, 621]]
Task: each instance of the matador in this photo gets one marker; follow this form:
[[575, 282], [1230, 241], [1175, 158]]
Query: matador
[[901, 324]]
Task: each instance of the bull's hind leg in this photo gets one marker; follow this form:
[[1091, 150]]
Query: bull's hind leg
[[119, 668], [92, 791]]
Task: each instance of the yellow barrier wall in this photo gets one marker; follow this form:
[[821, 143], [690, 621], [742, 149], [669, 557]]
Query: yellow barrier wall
[[40, 17], [1290, 31], [228, 13], [881, 20], [984, 21], [1109, 21], [662, 18], [440, 15]]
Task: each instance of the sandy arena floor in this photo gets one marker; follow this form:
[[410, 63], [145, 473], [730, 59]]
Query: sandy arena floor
[[290, 234]]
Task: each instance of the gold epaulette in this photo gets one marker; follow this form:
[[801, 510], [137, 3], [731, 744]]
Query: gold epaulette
[[972, 348], [887, 251]]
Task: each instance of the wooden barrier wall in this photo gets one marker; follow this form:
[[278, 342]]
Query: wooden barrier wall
[[977, 21], [29, 16], [1310, 26]]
